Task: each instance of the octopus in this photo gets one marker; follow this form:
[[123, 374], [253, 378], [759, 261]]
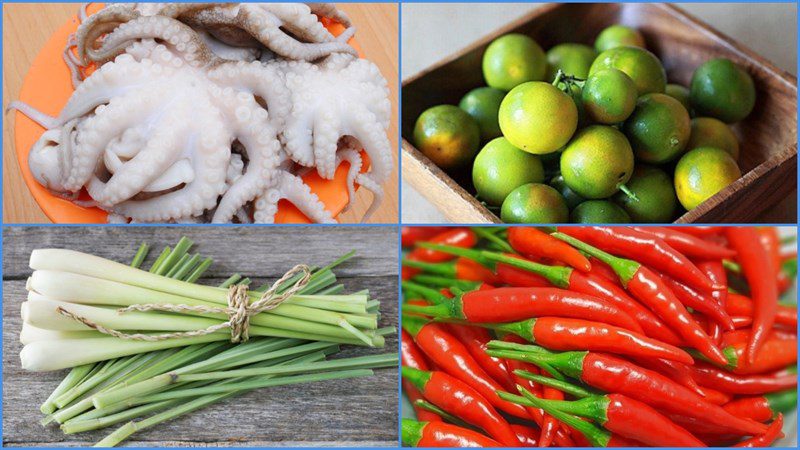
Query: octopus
[[212, 112]]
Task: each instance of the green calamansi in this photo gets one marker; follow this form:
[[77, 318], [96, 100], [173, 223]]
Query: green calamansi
[[597, 161], [534, 203], [723, 90], [618, 36], [681, 94], [609, 96], [658, 129], [703, 172], [447, 135], [651, 196], [599, 211], [572, 59], [500, 168], [642, 66], [538, 117], [710, 132], [572, 198], [483, 105], [513, 59]]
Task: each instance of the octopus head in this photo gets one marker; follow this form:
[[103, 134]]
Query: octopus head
[[45, 163]]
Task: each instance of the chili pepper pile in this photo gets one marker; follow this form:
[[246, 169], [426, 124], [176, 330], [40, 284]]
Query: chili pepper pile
[[598, 336]]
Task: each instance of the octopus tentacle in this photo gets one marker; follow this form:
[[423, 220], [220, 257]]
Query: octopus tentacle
[[258, 23], [262, 81], [260, 139], [98, 24], [373, 138], [366, 181], [351, 156], [293, 189], [330, 11], [326, 136]]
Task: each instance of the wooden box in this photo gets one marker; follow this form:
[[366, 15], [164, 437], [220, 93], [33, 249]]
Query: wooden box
[[768, 136]]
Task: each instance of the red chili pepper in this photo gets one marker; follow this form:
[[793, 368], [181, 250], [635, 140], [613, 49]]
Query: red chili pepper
[[475, 339], [766, 439], [714, 396], [531, 241], [673, 370], [644, 248], [602, 269], [757, 269], [699, 302], [646, 286], [459, 399], [708, 375], [689, 245], [528, 436], [461, 268], [763, 407], [507, 304], [519, 278], [411, 235], [615, 375], [596, 286], [440, 434], [411, 356], [698, 231], [779, 351], [558, 333], [771, 242], [739, 305], [451, 356], [458, 237], [715, 272]]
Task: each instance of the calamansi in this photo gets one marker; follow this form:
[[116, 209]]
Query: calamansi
[[597, 161], [572, 59], [618, 36], [609, 96], [447, 135], [722, 89], [500, 168], [653, 199], [658, 129], [642, 66], [534, 203], [702, 173], [710, 132], [598, 211], [483, 104], [511, 60], [538, 117]]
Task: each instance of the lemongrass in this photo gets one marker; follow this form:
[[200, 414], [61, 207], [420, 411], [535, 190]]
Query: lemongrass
[[231, 280], [177, 253], [140, 255], [198, 272], [160, 259], [30, 333], [73, 378]]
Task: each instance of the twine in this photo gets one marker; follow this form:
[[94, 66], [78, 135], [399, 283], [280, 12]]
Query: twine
[[239, 310]]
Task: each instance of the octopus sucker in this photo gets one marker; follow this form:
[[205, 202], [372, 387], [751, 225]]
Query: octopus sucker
[[212, 113]]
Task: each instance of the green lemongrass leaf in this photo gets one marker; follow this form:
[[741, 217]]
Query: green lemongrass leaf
[[183, 245], [73, 378], [160, 259], [231, 281], [140, 255], [177, 266], [185, 269], [199, 270]]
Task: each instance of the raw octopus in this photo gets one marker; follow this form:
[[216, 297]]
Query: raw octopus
[[212, 112]]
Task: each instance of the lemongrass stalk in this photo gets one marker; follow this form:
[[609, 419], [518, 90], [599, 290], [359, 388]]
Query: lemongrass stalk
[[332, 290], [76, 288], [180, 264], [131, 427], [102, 417], [231, 280], [160, 259], [108, 371], [199, 271], [177, 253], [237, 356], [140, 255], [73, 378], [30, 333]]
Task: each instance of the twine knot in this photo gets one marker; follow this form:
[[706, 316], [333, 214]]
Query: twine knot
[[239, 310]]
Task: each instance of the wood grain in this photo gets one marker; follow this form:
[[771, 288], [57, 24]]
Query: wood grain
[[768, 135], [26, 28], [360, 412]]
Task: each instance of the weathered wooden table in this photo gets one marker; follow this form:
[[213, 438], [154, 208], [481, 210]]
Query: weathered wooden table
[[360, 412]]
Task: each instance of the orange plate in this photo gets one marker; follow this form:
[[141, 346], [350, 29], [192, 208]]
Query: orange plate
[[47, 87]]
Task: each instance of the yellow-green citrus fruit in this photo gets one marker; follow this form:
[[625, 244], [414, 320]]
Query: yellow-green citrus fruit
[[513, 59], [572, 198], [653, 200], [702, 173], [598, 211], [572, 59], [618, 36], [500, 168], [597, 161], [537, 117], [447, 135], [609, 96], [723, 90], [658, 129], [483, 105], [534, 203], [710, 132], [642, 66], [681, 94]]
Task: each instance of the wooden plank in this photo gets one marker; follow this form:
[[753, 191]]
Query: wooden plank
[[359, 412], [28, 26]]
